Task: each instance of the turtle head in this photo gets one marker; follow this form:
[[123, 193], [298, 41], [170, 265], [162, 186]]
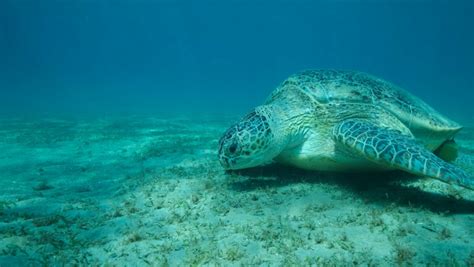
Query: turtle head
[[256, 139]]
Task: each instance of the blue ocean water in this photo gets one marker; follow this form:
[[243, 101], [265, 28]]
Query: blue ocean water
[[111, 114], [224, 56]]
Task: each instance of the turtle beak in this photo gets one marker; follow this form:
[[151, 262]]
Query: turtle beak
[[222, 158], [224, 162]]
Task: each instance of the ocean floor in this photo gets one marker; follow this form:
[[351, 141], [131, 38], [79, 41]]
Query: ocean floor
[[143, 190]]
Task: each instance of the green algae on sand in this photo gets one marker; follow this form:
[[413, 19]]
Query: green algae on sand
[[151, 191]]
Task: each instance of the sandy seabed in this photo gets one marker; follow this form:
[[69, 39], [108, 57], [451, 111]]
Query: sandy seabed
[[150, 191]]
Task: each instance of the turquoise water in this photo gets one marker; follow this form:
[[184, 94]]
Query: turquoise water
[[223, 57], [111, 112]]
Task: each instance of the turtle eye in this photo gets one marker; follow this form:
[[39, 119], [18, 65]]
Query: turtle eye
[[233, 148]]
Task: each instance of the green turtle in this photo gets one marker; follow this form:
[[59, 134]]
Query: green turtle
[[334, 120]]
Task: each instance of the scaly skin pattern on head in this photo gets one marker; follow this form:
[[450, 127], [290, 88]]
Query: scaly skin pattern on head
[[256, 139]]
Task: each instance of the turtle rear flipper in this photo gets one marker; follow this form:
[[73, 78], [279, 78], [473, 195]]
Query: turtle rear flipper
[[448, 151], [395, 150]]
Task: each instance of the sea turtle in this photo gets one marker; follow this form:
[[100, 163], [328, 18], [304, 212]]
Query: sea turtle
[[344, 121]]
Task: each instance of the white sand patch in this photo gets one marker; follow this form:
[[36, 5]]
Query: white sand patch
[[147, 191]]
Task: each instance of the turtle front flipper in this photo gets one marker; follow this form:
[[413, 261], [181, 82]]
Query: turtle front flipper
[[395, 150]]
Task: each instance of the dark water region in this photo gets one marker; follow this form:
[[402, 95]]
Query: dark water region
[[216, 57]]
